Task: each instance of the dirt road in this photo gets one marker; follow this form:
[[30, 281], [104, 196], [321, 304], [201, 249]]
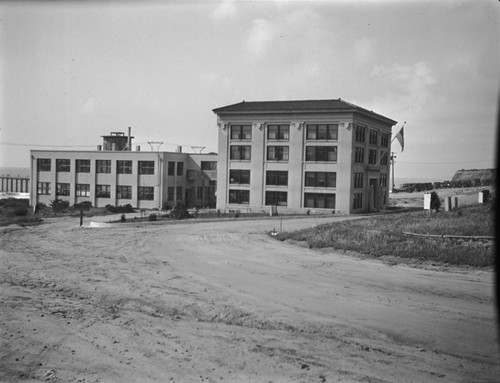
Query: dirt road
[[224, 302]]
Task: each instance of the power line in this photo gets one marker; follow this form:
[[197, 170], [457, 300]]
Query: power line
[[442, 163]]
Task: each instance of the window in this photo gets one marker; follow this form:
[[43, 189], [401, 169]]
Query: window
[[103, 166], [43, 164], [171, 168], [180, 168], [384, 140], [276, 198], [278, 132], [321, 153], [124, 167], [103, 191], [239, 196], [146, 193], [359, 133], [383, 179], [82, 190], [358, 201], [358, 180], [322, 132], [62, 189], [170, 193], [83, 166], [43, 188], [146, 167], [63, 165], [359, 155], [240, 153], [373, 140], [319, 200], [199, 192], [208, 165], [124, 192], [241, 132], [179, 193], [276, 178], [237, 176], [383, 158], [321, 179], [277, 153], [372, 156]]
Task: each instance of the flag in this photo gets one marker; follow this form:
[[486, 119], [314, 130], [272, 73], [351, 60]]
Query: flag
[[401, 138]]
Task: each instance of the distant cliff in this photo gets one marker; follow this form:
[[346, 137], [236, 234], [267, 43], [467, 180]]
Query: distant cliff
[[484, 175]]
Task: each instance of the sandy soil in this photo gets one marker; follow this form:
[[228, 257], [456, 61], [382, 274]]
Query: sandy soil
[[224, 302]]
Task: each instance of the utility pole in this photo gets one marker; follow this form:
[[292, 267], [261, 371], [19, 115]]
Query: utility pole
[[393, 160]]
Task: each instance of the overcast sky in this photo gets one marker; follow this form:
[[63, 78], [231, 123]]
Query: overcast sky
[[72, 72]]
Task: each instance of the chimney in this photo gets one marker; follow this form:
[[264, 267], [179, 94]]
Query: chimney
[[99, 148], [129, 145], [137, 148], [179, 149]]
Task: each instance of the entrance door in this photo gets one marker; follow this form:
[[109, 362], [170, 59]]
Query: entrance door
[[373, 201]]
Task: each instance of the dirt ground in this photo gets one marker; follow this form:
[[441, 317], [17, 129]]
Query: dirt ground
[[224, 302]]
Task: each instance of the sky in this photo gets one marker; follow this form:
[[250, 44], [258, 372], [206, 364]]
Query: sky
[[71, 72]]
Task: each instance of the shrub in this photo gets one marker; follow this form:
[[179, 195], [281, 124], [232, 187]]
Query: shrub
[[120, 209], [21, 211], [166, 206], [58, 205], [435, 201], [152, 217], [179, 211], [122, 218]]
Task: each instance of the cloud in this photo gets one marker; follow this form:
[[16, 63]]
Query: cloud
[[364, 50], [226, 9], [260, 37], [89, 107]]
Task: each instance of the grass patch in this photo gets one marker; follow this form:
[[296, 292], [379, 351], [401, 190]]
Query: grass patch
[[382, 236]]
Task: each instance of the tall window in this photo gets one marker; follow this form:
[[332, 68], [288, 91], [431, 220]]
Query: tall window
[[170, 193], [358, 180], [383, 179], [277, 177], [383, 158], [239, 196], [358, 201], [237, 176], [146, 167], [322, 132], [321, 153], [276, 198], [372, 156], [103, 191], [240, 153], [124, 167], [278, 132], [384, 140], [180, 168], [359, 155], [82, 190], [319, 200], [63, 165], [277, 153], [171, 168], [321, 179], [62, 189], [43, 164], [373, 140], [179, 193], [241, 132], [103, 166], [83, 166], [124, 192], [43, 188], [208, 165], [359, 133], [146, 193]]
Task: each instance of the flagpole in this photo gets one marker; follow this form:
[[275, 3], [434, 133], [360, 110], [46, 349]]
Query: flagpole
[[387, 149]]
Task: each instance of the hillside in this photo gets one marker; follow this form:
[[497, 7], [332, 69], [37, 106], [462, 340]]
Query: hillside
[[473, 174]]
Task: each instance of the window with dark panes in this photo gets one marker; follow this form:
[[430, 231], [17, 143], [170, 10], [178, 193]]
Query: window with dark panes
[[276, 198], [319, 200], [373, 140], [43, 188], [372, 156], [103, 166], [321, 179], [241, 132], [83, 166], [82, 190], [278, 132], [384, 140], [146, 193], [171, 168], [239, 176], [383, 158], [62, 189], [208, 165], [359, 155], [358, 201], [277, 153], [358, 180], [359, 133], [63, 165], [180, 168], [170, 193], [383, 179], [103, 191], [322, 132], [124, 192], [242, 153], [146, 167], [43, 164], [239, 196], [124, 167], [179, 194], [321, 153], [277, 177]]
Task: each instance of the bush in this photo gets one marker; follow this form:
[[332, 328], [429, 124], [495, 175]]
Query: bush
[[14, 202], [435, 201], [58, 205], [166, 206], [179, 211], [122, 218], [21, 211], [120, 209], [152, 217]]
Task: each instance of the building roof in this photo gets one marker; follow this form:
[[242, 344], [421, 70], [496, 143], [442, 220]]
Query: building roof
[[334, 105]]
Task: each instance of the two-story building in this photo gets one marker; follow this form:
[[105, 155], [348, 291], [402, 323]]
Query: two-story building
[[303, 156]]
